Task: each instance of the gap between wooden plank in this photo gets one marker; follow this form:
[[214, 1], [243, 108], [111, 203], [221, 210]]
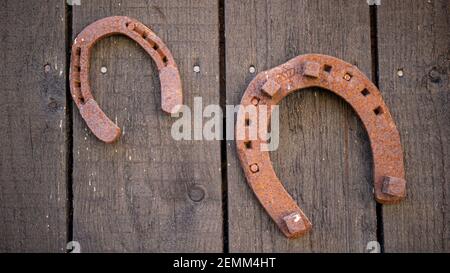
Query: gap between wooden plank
[[223, 143], [69, 125], [375, 79]]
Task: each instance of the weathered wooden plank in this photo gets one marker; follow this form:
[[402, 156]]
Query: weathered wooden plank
[[414, 39], [32, 127], [134, 195], [324, 158]]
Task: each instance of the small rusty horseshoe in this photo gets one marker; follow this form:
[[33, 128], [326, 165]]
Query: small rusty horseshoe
[[314, 70], [97, 121]]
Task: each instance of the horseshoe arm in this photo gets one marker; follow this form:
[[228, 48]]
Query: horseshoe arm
[[345, 80], [96, 119]]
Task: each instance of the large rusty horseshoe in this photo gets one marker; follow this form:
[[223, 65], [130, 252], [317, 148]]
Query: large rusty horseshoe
[[97, 121], [314, 70]]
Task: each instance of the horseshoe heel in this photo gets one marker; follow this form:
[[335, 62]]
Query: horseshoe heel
[[314, 70], [96, 119]]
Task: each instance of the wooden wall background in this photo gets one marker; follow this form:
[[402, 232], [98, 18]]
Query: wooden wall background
[[149, 193]]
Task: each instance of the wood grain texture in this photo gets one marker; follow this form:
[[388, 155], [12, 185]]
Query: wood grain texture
[[32, 127], [414, 38], [133, 196], [324, 158]]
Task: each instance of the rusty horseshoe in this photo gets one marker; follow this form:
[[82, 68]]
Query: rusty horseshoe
[[97, 121], [314, 70]]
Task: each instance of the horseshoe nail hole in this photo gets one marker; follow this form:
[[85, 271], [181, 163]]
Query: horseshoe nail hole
[[164, 59], [78, 68], [196, 68], [255, 101], [378, 111], [247, 122], [78, 51], [155, 47], [144, 35], [130, 25], [78, 84], [81, 100], [252, 69], [197, 193], [254, 168], [347, 77], [248, 144], [327, 68], [365, 92]]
